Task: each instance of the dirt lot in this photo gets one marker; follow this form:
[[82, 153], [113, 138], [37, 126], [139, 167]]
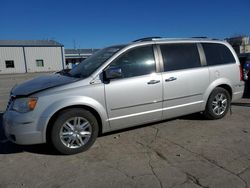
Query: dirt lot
[[183, 152]]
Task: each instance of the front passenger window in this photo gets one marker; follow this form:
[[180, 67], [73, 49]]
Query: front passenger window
[[136, 62]]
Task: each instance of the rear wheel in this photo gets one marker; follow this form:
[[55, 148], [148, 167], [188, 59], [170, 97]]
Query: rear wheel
[[74, 131], [218, 104]]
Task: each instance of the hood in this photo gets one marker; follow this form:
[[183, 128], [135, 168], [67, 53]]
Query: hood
[[41, 83]]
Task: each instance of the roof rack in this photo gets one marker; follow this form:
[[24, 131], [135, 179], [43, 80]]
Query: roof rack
[[203, 37], [146, 39], [162, 38]]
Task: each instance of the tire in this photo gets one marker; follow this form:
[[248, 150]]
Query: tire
[[75, 130], [218, 104]]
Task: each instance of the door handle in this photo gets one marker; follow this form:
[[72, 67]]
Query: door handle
[[154, 81], [170, 79]]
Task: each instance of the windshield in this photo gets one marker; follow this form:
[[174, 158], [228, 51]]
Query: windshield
[[91, 64]]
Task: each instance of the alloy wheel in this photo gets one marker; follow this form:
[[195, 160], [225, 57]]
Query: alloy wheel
[[219, 104], [75, 132]]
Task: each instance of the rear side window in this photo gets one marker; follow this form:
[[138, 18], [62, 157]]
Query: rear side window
[[180, 56], [217, 54]]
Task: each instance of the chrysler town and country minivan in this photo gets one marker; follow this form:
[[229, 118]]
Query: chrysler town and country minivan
[[121, 86]]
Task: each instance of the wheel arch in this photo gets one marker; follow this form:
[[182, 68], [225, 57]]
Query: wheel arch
[[222, 83], [209, 111], [228, 88], [55, 116]]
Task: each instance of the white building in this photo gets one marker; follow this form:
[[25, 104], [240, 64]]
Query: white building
[[240, 44], [75, 56], [22, 56]]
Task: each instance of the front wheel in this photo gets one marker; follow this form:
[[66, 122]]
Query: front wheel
[[74, 131], [218, 104]]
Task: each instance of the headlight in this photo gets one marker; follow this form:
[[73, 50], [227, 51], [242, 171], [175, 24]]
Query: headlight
[[24, 104]]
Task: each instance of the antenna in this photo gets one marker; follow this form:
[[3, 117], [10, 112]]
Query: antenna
[[74, 44]]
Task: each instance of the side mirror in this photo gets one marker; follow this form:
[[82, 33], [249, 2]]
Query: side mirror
[[113, 72]]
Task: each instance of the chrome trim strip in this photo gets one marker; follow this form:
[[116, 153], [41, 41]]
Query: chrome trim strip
[[152, 111], [124, 107], [182, 97], [154, 102], [135, 114], [182, 105]]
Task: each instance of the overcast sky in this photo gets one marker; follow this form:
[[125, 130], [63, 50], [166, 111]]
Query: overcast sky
[[99, 23]]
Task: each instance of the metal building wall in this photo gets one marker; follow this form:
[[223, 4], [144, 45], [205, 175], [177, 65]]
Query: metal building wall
[[15, 54], [51, 56]]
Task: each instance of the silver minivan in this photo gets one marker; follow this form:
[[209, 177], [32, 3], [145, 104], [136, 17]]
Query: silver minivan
[[121, 86]]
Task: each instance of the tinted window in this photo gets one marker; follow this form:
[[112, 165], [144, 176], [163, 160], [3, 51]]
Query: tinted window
[[136, 62], [180, 56], [217, 54]]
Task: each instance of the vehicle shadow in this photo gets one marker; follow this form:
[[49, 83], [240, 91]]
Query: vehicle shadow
[[7, 147], [241, 104]]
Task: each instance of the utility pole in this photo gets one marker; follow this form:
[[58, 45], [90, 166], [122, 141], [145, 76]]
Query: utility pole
[[74, 44]]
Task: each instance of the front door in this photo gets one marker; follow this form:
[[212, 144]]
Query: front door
[[136, 98]]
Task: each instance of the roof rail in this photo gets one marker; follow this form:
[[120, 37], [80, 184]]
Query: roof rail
[[146, 39], [203, 37], [162, 38]]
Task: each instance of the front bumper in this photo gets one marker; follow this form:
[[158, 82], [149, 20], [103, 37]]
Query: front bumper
[[22, 129]]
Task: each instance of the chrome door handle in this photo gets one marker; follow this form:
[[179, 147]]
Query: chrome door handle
[[170, 79], [154, 81]]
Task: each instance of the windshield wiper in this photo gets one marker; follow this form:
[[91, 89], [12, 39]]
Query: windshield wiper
[[79, 75], [65, 72]]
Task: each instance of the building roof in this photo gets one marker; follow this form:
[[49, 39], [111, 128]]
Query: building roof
[[80, 51], [35, 43]]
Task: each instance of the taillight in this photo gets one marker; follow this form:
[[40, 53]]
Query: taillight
[[241, 72]]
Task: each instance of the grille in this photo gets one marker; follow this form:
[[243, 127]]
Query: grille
[[12, 97]]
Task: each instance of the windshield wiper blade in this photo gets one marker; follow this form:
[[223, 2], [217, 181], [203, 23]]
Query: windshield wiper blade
[[65, 72], [80, 76]]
